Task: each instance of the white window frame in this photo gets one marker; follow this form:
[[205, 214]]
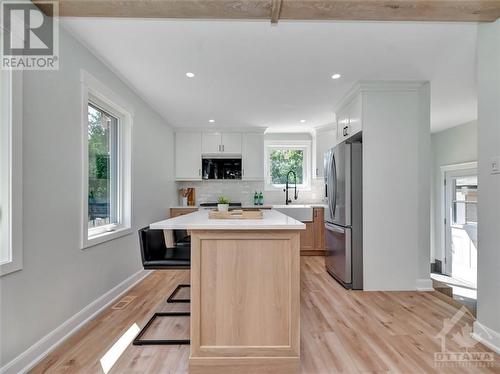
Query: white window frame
[[98, 94], [304, 145], [12, 185]]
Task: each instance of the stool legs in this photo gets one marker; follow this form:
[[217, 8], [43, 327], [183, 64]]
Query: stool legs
[[171, 299]]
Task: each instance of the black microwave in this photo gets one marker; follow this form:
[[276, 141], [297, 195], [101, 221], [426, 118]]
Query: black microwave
[[221, 168]]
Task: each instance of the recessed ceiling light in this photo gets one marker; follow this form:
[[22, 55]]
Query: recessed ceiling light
[[211, 120], [336, 76], [189, 74], [302, 121]]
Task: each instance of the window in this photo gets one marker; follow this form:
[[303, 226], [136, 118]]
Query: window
[[102, 170], [107, 158], [283, 157], [464, 203], [11, 255]]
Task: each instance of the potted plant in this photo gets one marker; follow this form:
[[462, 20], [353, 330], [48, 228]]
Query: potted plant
[[223, 204]]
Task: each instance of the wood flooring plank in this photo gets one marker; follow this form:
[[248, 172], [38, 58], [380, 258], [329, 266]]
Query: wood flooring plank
[[341, 331]]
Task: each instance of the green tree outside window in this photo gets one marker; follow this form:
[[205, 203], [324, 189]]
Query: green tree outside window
[[284, 160]]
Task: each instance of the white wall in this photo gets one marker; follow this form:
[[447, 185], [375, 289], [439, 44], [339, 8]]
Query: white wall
[[396, 186], [59, 279], [453, 146], [488, 303]]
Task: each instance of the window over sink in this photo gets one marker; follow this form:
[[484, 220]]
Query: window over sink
[[284, 156]]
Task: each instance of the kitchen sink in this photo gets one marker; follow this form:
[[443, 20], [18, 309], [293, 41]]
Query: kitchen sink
[[303, 213]]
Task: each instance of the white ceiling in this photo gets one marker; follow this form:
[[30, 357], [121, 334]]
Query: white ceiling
[[249, 73]]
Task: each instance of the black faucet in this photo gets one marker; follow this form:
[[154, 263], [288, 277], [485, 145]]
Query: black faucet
[[296, 193]]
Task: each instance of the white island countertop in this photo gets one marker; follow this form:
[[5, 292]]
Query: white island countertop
[[272, 220]]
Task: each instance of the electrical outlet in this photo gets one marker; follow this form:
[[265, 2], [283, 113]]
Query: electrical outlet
[[495, 165]]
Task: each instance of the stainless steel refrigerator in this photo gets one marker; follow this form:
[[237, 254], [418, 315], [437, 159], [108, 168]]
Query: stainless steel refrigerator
[[344, 216]]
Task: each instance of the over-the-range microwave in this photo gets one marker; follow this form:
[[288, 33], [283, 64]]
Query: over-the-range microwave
[[221, 168]]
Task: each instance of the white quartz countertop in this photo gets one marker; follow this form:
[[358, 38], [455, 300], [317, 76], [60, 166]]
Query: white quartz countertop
[[198, 220], [265, 206]]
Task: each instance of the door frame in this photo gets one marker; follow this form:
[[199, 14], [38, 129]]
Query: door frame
[[441, 221]]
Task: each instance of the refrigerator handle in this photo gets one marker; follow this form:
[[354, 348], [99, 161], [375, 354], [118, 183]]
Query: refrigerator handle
[[330, 184], [338, 229], [334, 184]]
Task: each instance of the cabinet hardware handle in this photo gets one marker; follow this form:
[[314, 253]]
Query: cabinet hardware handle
[[222, 147], [317, 171], [199, 171]]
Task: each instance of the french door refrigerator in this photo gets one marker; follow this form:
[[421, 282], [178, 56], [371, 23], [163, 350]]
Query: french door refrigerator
[[344, 216]]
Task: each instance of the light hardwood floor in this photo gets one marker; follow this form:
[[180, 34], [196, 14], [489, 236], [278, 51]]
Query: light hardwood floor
[[341, 331]]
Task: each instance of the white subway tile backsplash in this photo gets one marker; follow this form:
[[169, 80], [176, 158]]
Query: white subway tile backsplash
[[243, 191]]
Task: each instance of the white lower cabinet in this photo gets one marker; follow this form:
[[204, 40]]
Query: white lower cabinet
[[252, 154], [187, 155]]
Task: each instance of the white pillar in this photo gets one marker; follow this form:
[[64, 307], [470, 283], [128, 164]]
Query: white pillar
[[487, 326]]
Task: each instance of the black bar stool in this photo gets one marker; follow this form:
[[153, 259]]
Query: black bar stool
[[156, 256], [182, 240]]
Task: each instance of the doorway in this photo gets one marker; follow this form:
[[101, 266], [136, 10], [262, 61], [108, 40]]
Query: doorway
[[460, 225]]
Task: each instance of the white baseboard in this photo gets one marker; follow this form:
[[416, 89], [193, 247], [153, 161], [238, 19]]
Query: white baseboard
[[33, 355], [424, 284], [486, 336]]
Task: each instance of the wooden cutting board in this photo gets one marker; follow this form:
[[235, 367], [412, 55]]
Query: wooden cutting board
[[235, 214]]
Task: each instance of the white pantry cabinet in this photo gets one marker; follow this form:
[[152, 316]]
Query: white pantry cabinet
[[326, 138], [188, 155], [349, 118], [252, 154], [220, 143]]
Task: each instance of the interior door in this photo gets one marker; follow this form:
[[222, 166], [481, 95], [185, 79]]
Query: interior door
[[461, 225]]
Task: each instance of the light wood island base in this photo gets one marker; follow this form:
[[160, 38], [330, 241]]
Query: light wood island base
[[245, 301]]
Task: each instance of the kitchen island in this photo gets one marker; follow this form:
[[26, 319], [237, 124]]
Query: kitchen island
[[245, 295]]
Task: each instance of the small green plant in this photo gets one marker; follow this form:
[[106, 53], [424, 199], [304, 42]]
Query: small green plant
[[223, 200]]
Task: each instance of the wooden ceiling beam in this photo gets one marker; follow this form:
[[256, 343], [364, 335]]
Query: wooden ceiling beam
[[275, 10], [362, 10], [393, 10]]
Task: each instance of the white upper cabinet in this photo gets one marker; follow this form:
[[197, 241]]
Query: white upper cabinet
[[211, 142], [252, 153], [349, 118], [220, 143], [188, 155], [326, 138], [231, 142]]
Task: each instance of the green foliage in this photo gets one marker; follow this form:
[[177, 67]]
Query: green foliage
[[284, 160], [99, 162], [223, 200]]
